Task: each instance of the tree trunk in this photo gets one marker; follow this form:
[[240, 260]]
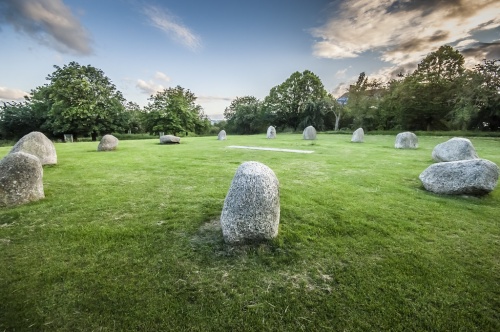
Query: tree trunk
[[94, 136], [337, 120]]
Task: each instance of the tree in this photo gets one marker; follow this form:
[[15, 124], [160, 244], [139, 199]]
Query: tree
[[244, 115], [363, 101], [174, 111], [20, 118], [435, 86], [81, 100], [134, 117], [287, 101]]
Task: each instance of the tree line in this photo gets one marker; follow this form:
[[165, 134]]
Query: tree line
[[82, 101], [441, 94]]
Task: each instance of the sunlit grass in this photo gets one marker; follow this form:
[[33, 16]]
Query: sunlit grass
[[129, 240]]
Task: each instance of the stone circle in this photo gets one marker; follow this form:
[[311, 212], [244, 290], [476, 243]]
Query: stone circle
[[108, 143], [358, 136], [251, 211], [454, 149], [169, 139], [472, 177], [37, 144], [21, 179], [406, 140], [309, 133], [271, 132]]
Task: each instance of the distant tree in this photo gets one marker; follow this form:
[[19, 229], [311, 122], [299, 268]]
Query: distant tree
[[287, 101], [20, 118], [478, 105], [134, 117], [333, 112], [174, 111], [244, 115], [80, 100], [363, 101]]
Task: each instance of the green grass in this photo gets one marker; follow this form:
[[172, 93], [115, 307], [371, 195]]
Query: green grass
[[129, 241]]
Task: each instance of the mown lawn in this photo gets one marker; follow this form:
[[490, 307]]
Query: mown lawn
[[129, 241]]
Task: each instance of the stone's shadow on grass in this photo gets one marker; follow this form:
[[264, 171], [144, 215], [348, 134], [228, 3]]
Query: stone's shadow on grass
[[209, 237]]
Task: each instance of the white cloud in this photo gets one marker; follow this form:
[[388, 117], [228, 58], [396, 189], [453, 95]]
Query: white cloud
[[12, 94], [149, 87], [170, 25], [402, 32], [48, 21], [341, 73], [162, 76]]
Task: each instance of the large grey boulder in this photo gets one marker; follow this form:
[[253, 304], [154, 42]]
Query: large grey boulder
[[251, 209], [271, 132], [358, 136], [108, 143], [472, 177], [309, 133], [222, 135], [406, 140], [21, 179], [37, 144], [169, 139], [454, 149]]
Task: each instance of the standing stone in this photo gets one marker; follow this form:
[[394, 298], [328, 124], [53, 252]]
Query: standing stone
[[37, 144], [454, 149], [271, 132], [358, 136], [472, 177], [108, 143], [309, 133], [406, 140], [170, 139], [251, 209], [222, 135], [21, 179]]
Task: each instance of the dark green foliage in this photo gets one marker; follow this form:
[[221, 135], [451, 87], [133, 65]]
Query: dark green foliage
[[19, 119], [287, 101], [82, 100], [173, 111]]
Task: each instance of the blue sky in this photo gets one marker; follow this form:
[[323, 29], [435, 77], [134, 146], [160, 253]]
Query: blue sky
[[222, 49]]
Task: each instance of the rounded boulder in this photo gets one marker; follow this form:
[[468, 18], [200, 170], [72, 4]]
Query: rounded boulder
[[108, 143], [38, 145], [251, 211], [309, 133], [21, 179], [406, 140]]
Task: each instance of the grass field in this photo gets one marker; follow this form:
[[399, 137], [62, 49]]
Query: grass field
[[129, 241]]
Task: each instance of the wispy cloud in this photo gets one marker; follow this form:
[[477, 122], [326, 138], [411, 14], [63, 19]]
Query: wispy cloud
[[149, 87], [208, 99], [172, 27], [403, 32], [162, 76], [8, 94], [50, 22]]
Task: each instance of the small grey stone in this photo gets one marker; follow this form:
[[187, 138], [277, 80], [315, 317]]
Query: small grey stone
[[169, 139], [406, 140], [37, 144], [222, 135], [358, 136], [309, 133], [454, 149], [108, 143], [251, 209], [473, 177], [21, 179], [271, 132]]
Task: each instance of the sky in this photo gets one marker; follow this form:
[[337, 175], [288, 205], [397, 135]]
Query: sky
[[223, 49]]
